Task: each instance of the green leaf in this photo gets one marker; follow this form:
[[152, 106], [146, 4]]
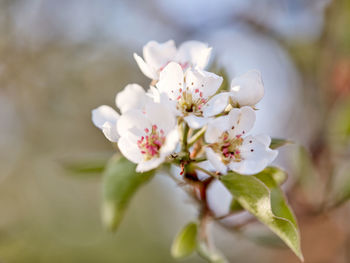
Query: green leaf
[[235, 206], [278, 175], [185, 241], [340, 192], [276, 143], [261, 196], [279, 204], [209, 254], [339, 126], [85, 166], [225, 86], [120, 183], [266, 239], [344, 191]]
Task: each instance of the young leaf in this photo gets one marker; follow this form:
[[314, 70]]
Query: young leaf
[[235, 206], [341, 188], [211, 255], [120, 183], [257, 198], [266, 239], [278, 175], [225, 86], [339, 127], [87, 166], [276, 143], [185, 241], [279, 205]]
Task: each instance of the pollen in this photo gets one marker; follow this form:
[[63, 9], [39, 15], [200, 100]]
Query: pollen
[[151, 142], [228, 148], [189, 103]]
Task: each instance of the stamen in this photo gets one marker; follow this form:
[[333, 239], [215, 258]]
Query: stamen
[[229, 148], [150, 145]]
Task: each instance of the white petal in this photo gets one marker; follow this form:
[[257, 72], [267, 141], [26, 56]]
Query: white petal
[[158, 55], [247, 89], [204, 82], [154, 94], [207, 166], [241, 120], [160, 115], [171, 80], [104, 114], [133, 96], [134, 121], [215, 128], [196, 122], [110, 131], [129, 149], [264, 139], [145, 68], [145, 166], [216, 104], [195, 53], [215, 160], [170, 144], [256, 156]]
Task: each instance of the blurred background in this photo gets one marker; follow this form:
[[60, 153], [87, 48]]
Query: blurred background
[[61, 59]]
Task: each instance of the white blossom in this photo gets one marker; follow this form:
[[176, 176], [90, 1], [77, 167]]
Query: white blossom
[[229, 147], [188, 92], [245, 90], [157, 55], [147, 136], [133, 96], [105, 118]]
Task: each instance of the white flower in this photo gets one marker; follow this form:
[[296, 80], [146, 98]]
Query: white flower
[[105, 118], [157, 55], [230, 149], [147, 136], [188, 92], [245, 90], [133, 96]]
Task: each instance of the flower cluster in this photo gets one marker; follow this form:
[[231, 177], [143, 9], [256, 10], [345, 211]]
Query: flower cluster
[[184, 111]]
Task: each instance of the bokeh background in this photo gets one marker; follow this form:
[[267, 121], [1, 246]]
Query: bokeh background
[[61, 59]]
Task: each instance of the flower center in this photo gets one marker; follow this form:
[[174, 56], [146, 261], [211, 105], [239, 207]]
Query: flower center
[[229, 148], [151, 142], [188, 103]]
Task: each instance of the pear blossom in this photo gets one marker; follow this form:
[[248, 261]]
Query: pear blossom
[[133, 96], [245, 90], [188, 92], [229, 147], [105, 118], [148, 136], [157, 55]]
